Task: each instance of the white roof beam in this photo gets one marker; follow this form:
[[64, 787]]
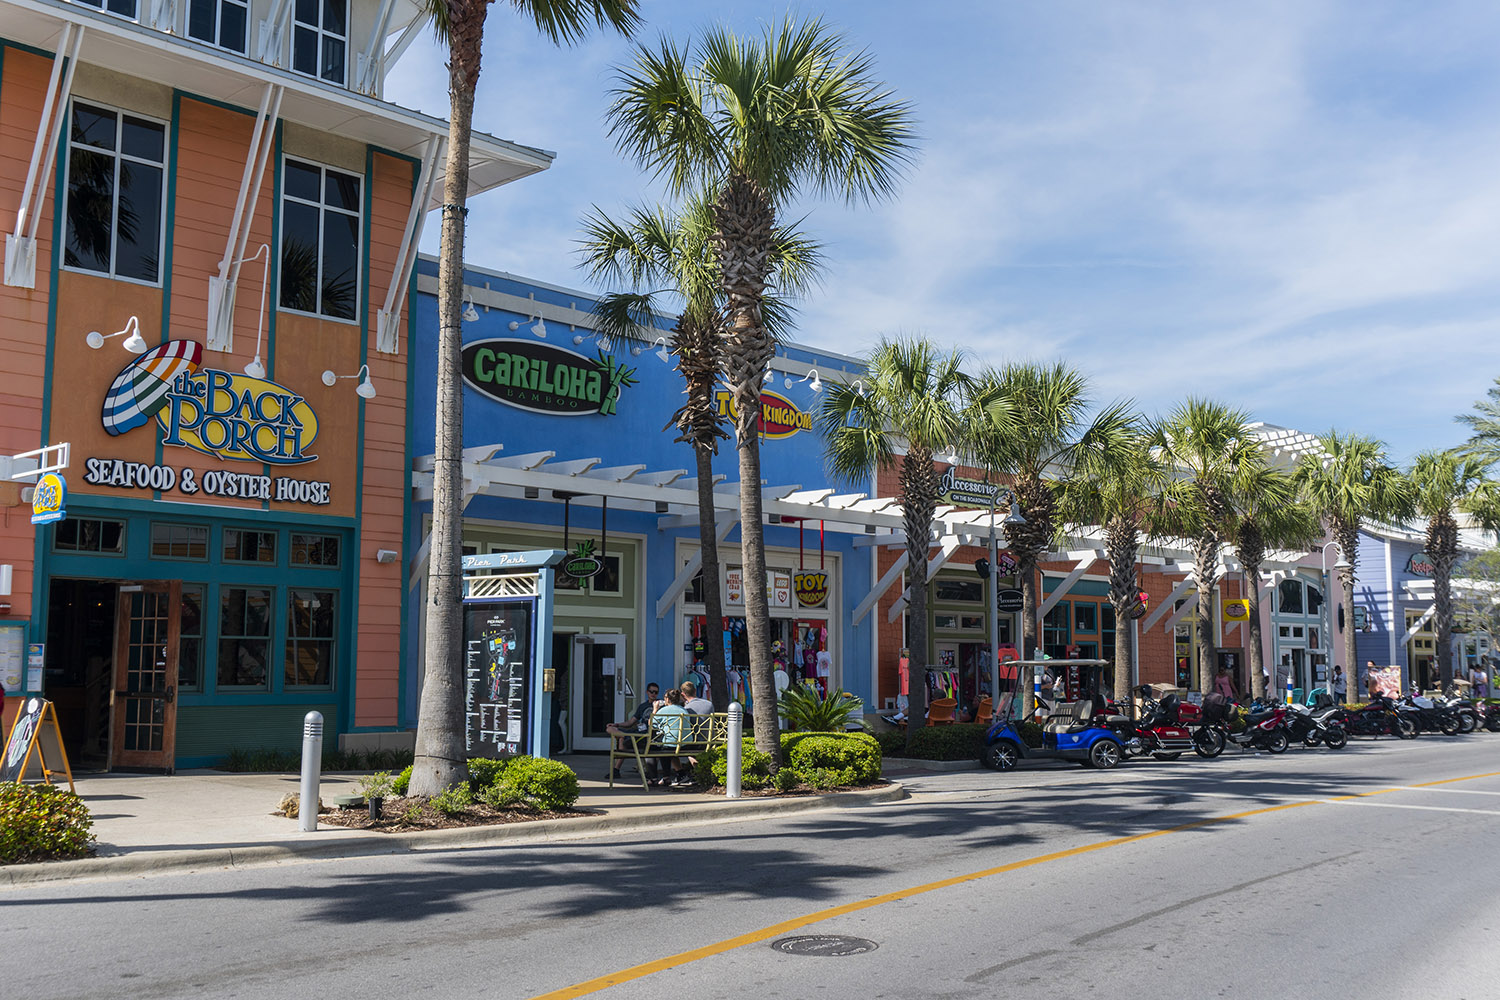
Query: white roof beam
[[1180, 613], [617, 473], [945, 552], [889, 577], [685, 575], [1085, 560], [530, 460], [1183, 586]]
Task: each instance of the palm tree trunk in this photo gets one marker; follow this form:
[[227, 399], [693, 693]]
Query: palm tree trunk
[[1255, 652], [1442, 593], [1123, 546], [1026, 569], [713, 605], [919, 489], [1348, 539], [440, 758], [1206, 576], [757, 606]]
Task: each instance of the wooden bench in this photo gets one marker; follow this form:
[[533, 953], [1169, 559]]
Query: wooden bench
[[700, 734]]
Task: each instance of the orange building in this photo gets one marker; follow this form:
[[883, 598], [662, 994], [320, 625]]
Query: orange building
[[212, 218]]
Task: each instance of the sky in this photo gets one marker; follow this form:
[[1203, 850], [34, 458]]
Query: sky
[[1290, 207]]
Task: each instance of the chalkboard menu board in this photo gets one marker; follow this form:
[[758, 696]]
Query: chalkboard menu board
[[497, 677], [34, 749]]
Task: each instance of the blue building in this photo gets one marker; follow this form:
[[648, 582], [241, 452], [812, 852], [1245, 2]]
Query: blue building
[[570, 446]]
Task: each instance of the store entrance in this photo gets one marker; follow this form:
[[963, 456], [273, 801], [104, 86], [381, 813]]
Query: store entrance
[[112, 671], [80, 656], [599, 689]]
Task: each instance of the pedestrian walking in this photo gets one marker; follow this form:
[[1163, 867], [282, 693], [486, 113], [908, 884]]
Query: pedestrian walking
[[1340, 685]]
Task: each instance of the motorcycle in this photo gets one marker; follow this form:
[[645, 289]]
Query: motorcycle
[[1315, 726], [1262, 727], [1161, 733], [1463, 709], [1378, 718], [1428, 715]]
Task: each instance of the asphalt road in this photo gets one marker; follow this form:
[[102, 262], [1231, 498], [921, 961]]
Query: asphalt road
[[1316, 874]]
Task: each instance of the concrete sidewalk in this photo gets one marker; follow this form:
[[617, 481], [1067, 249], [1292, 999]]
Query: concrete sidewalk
[[214, 819]]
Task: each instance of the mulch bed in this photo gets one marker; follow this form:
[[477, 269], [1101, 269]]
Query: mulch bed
[[407, 815]]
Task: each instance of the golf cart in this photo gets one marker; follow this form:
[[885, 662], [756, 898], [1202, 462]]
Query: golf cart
[[1069, 729]]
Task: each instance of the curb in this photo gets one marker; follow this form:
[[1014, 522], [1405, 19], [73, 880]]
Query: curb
[[539, 831], [913, 764]]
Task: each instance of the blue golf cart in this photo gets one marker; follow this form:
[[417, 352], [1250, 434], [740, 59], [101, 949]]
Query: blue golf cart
[[1069, 729]]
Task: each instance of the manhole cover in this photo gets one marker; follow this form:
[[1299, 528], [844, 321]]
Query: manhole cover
[[826, 945]]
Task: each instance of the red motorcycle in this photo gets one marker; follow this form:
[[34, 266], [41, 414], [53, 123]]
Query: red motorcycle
[[1161, 731], [1264, 728]]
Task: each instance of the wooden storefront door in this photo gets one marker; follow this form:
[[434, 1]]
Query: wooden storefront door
[[144, 702]]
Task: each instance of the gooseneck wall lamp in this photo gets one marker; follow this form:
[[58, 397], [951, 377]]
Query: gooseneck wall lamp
[[135, 343], [365, 389]]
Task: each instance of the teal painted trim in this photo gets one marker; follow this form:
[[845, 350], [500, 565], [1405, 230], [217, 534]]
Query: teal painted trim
[[6, 43], [173, 511], [39, 598], [273, 294], [406, 508], [173, 166], [213, 102], [413, 160]]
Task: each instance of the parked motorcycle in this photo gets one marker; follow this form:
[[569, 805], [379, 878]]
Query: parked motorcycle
[[1378, 718], [1262, 727], [1428, 715], [1315, 727], [1161, 733], [1466, 711]]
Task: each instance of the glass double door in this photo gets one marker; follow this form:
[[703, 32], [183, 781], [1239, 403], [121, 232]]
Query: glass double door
[[599, 689], [144, 695]]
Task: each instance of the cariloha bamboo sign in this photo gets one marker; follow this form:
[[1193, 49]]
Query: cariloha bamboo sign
[[545, 379]]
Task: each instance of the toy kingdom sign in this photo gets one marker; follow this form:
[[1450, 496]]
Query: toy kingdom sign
[[779, 416], [812, 589], [218, 413]]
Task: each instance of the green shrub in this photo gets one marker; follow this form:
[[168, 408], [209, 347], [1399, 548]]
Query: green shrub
[[960, 741], [40, 823], [848, 758], [892, 742], [806, 710], [453, 800], [537, 782], [484, 771], [713, 767], [377, 786], [823, 779], [402, 781], [786, 779]]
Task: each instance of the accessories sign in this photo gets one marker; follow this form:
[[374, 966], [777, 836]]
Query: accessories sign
[[545, 379]]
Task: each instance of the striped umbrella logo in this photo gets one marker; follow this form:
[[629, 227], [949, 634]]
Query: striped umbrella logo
[[141, 387]]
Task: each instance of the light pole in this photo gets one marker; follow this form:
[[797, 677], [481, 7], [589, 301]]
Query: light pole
[[1329, 618], [1013, 519]]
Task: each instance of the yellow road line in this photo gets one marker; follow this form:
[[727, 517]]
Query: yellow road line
[[796, 923]]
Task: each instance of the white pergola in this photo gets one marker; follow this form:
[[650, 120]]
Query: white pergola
[[878, 521]]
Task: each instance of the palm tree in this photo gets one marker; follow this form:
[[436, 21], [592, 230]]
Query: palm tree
[[756, 122], [1269, 512], [657, 253], [1209, 446], [1445, 483], [1033, 428], [1484, 423], [440, 753], [1349, 482], [915, 401], [1120, 485]]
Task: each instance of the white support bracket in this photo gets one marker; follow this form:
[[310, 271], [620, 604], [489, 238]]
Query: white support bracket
[[273, 33], [1183, 586], [37, 463], [20, 243], [1416, 626], [881, 586], [950, 545], [367, 65], [388, 319], [1182, 612], [221, 286], [690, 569], [1084, 561]]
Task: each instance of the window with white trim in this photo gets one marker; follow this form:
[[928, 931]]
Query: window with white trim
[[115, 192], [124, 8], [320, 229], [320, 38], [220, 22]]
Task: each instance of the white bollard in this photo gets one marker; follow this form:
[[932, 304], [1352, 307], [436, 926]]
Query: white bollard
[[736, 750], [312, 766], [1288, 689]]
